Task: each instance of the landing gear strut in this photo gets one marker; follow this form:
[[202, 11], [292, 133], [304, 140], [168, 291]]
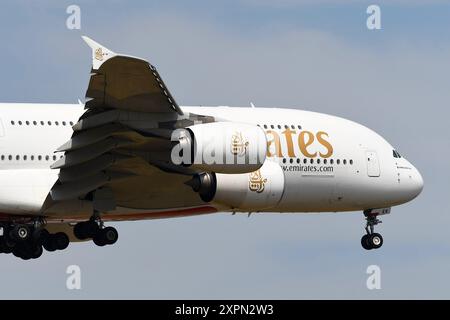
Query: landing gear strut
[[371, 240], [95, 229]]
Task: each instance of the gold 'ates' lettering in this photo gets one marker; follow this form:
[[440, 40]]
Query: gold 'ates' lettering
[[325, 143], [305, 139]]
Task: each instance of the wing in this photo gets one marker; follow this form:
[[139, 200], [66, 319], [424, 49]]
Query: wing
[[125, 82], [119, 153]]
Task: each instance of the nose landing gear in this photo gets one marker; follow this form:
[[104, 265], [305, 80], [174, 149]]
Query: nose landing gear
[[371, 240]]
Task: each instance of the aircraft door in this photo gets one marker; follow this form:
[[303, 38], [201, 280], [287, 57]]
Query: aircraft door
[[373, 165]]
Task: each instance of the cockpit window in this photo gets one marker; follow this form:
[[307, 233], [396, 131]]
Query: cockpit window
[[396, 154]]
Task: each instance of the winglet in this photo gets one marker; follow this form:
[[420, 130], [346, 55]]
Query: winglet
[[99, 53]]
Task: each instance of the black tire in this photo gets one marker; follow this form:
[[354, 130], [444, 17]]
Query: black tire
[[376, 240], [365, 243], [39, 235], [61, 240], [36, 251], [79, 231], [99, 240], [5, 245], [18, 251], [49, 244], [110, 235], [91, 229]]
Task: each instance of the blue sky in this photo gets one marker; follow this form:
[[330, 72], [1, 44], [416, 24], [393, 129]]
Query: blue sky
[[315, 55]]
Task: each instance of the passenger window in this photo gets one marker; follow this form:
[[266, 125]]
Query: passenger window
[[351, 161], [345, 161], [338, 161]]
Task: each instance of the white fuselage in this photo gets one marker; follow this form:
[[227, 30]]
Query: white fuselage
[[329, 163]]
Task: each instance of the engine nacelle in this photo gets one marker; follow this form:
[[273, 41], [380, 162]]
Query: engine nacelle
[[222, 147], [261, 189]]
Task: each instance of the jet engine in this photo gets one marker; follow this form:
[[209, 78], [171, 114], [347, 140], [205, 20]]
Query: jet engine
[[260, 189], [221, 147]]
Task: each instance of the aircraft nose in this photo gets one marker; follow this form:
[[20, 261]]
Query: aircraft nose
[[415, 183]]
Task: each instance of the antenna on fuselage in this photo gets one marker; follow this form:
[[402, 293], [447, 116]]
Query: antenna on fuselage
[[252, 105]]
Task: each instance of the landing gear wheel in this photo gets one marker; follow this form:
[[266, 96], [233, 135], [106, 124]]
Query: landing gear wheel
[[36, 251], [22, 251], [375, 240], [39, 235], [49, 244], [86, 229], [61, 240], [78, 230], [99, 240], [20, 232], [110, 235], [365, 242]]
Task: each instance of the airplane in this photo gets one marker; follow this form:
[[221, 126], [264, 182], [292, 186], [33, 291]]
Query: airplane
[[132, 153]]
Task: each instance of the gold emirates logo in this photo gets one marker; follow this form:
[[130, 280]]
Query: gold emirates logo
[[310, 144], [99, 54], [257, 182], [238, 144]]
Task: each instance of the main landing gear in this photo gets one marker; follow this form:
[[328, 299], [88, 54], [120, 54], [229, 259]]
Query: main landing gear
[[371, 240], [94, 229], [27, 241]]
